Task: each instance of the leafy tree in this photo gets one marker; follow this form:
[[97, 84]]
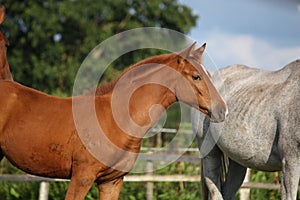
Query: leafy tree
[[49, 39]]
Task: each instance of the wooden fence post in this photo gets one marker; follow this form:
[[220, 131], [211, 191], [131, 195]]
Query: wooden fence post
[[149, 183], [44, 190], [245, 192]]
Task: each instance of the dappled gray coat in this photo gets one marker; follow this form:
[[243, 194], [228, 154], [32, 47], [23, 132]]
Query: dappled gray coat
[[262, 130]]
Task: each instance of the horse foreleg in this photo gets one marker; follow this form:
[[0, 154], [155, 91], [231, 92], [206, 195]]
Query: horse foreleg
[[80, 184], [290, 178], [234, 179], [211, 168], [110, 190]]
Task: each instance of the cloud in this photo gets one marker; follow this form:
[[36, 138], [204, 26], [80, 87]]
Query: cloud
[[226, 49], [298, 7]]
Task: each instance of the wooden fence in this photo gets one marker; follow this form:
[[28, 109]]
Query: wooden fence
[[139, 178], [149, 179]]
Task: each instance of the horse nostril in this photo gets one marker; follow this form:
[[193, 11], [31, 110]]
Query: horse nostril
[[219, 113]]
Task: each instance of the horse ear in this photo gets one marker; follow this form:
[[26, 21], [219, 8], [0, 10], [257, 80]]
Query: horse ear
[[2, 14], [188, 51], [198, 52]]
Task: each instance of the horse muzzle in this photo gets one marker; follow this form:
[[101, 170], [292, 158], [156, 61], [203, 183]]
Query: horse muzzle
[[218, 114]]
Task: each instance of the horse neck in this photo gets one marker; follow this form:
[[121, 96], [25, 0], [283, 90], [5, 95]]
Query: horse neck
[[4, 66], [5, 73], [141, 95], [148, 104]]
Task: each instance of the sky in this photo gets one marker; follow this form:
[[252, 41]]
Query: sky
[[258, 33]]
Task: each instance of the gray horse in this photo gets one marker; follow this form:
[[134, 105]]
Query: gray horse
[[262, 130]]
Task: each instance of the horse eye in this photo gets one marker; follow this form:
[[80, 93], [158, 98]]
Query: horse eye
[[196, 77]]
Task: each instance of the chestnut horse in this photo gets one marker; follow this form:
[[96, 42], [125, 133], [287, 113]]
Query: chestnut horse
[[40, 134], [4, 67]]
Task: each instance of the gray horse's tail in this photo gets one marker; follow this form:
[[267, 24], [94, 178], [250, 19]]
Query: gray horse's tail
[[213, 190], [224, 167]]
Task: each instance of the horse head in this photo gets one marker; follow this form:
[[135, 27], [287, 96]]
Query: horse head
[[205, 97]]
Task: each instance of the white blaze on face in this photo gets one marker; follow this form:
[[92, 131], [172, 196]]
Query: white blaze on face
[[203, 68]]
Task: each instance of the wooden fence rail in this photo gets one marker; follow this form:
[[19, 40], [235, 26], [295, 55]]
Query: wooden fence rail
[[140, 178]]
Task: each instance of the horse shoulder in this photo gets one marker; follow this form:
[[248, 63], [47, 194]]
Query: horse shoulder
[[8, 95]]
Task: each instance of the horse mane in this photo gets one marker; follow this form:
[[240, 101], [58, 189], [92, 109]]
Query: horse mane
[[102, 89], [107, 87]]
